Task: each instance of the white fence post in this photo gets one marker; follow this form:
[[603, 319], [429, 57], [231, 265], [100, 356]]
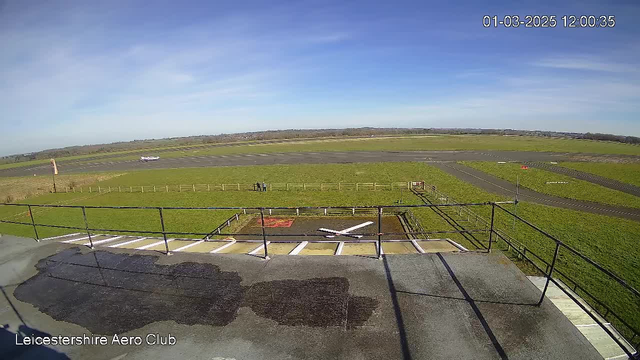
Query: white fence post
[[194, 187], [89, 188], [208, 187]]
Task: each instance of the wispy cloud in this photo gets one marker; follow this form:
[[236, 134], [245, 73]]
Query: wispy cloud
[[588, 63], [98, 72]]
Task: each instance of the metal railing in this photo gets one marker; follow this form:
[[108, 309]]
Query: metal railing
[[326, 210], [548, 271], [632, 332]]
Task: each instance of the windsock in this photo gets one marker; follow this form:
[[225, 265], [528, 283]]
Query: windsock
[[54, 166]]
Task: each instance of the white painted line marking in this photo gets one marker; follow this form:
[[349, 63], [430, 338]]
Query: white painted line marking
[[222, 247], [82, 238], [102, 241], [259, 248], [417, 246], [58, 237], [298, 248], [127, 242], [339, 249], [589, 325], [456, 245], [621, 357], [154, 244], [188, 246]]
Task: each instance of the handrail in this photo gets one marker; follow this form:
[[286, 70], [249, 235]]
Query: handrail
[[221, 226], [255, 208], [598, 266], [501, 235]]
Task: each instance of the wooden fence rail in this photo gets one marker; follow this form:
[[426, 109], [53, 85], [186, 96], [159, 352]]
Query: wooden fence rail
[[340, 186]]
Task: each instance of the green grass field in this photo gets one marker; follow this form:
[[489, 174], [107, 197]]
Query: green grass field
[[610, 241], [415, 143], [399, 143], [626, 173], [537, 179]]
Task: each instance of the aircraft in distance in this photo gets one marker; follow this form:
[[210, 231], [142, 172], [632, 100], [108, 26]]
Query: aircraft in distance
[[149, 158], [345, 232]]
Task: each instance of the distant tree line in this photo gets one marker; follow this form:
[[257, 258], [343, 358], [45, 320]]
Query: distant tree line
[[297, 134]]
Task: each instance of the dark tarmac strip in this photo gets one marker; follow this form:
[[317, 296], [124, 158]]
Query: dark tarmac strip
[[422, 306], [498, 186], [329, 157]]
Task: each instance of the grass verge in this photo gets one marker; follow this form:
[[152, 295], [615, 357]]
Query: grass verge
[[548, 182], [626, 173]]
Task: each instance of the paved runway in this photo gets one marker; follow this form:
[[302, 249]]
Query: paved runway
[[328, 157], [502, 187]]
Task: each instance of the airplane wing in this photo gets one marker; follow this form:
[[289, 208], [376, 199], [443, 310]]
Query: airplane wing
[[338, 233], [357, 227]]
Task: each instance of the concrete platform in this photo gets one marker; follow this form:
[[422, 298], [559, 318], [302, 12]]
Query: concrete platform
[[583, 322], [462, 305]]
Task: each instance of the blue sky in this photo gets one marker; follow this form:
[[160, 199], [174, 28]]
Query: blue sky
[[87, 72]]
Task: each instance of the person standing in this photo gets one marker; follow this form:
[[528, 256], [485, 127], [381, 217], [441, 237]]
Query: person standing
[[264, 186], [258, 186]]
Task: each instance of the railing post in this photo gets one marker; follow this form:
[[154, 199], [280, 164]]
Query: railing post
[[264, 235], [164, 234], [35, 230], [86, 225], [379, 247], [493, 212], [553, 265]]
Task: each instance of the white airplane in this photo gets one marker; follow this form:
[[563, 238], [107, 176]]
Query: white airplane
[[345, 232], [149, 158]]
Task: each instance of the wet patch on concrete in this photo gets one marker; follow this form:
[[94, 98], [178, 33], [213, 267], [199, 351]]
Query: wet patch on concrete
[[112, 293], [321, 302]]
